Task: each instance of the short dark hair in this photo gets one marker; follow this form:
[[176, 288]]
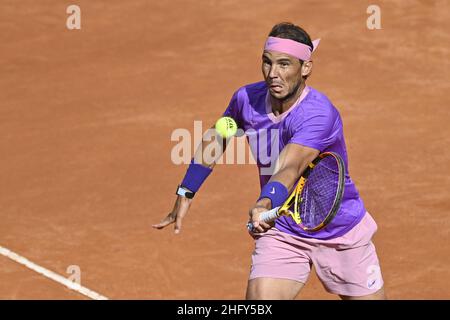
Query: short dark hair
[[287, 30]]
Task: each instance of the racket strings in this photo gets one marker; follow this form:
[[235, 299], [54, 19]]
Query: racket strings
[[319, 193]]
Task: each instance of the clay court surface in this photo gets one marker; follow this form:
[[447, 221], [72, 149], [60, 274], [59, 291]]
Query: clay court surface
[[86, 118]]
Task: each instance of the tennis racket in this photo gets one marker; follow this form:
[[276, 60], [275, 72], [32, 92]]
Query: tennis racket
[[317, 196]]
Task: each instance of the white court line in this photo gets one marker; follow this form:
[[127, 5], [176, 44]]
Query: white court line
[[51, 275]]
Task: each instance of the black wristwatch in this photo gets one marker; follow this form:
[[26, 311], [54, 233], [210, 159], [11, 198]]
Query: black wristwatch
[[181, 191]]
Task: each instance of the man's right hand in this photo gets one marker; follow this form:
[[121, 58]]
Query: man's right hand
[[179, 211], [261, 206]]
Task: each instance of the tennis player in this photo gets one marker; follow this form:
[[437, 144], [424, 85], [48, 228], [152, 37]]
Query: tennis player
[[304, 123]]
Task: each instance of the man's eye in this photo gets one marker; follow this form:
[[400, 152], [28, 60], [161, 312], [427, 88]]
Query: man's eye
[[284, 64]]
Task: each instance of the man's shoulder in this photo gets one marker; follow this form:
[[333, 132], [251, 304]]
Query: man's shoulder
[[317, 102], [317, 97]]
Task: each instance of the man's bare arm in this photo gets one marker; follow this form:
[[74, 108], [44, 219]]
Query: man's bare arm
[[182, 204], [291, 163]]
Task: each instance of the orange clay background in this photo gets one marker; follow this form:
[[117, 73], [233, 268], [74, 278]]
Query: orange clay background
[[86, 118]]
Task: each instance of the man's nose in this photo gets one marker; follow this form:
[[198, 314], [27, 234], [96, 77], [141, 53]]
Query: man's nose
[[273, 73]]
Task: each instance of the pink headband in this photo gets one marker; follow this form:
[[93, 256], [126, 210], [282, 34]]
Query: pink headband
[[296, 49]]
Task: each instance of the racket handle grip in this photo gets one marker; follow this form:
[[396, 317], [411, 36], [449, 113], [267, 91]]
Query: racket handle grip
[[267, 216]]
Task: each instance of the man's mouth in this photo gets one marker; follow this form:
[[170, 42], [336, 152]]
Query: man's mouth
[[276, 87]]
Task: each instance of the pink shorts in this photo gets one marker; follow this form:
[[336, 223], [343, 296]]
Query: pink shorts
[[346, 265]]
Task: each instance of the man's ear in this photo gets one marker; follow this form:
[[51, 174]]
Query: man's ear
[[306, 68]]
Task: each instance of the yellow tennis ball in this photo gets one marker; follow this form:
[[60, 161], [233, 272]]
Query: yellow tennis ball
[[226, 127]]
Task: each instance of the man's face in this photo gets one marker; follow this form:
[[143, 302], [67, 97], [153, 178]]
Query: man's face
[[282, 74]]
